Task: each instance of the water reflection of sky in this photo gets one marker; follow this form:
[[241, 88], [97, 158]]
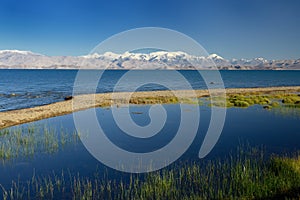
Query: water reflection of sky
[[254, 126]]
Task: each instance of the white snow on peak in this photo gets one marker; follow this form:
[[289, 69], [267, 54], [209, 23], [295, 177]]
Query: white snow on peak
[[215, 56], [91, 56], [261, 59], [131, 60]]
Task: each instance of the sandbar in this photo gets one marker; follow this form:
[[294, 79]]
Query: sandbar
[[16, 117]]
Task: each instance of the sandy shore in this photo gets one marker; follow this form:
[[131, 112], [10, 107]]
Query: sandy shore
[[15, 117]]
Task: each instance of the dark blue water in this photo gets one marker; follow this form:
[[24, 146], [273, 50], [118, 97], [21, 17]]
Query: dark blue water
[[278, 134], [28, 88]]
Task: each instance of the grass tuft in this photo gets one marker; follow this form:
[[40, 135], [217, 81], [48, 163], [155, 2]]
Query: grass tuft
[[246, 176], [28, 140], [241, 104]]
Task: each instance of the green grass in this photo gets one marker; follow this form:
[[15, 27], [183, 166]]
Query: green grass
[[241, 103], [154, 100], [245, 176], [275, 104], [268, 101], [31, 139]]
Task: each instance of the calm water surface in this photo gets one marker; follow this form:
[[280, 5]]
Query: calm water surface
[[278, 133]]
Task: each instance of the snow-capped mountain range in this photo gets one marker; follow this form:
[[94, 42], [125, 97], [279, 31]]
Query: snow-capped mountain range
[[128, 60]]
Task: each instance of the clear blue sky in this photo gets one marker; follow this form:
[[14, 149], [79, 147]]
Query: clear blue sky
[[230, 28]]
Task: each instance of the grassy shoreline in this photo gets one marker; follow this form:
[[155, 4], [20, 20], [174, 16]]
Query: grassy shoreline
[[245, 176], [16, 117]]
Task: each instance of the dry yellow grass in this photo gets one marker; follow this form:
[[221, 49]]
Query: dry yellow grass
[[15, 117]]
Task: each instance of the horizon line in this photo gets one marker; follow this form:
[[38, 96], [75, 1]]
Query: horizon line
[[160, 50]]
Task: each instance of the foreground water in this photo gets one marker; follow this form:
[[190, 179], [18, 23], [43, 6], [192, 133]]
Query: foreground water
[[277, 131], [51, 146], [28, 88]]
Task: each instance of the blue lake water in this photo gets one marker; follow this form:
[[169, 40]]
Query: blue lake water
[[276, 130], [28, 88]]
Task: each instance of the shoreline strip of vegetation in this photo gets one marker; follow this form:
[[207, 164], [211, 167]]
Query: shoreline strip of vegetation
[[246, 176], [235, 97]]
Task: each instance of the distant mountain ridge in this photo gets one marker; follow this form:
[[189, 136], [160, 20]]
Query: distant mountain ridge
[[16, 59]]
